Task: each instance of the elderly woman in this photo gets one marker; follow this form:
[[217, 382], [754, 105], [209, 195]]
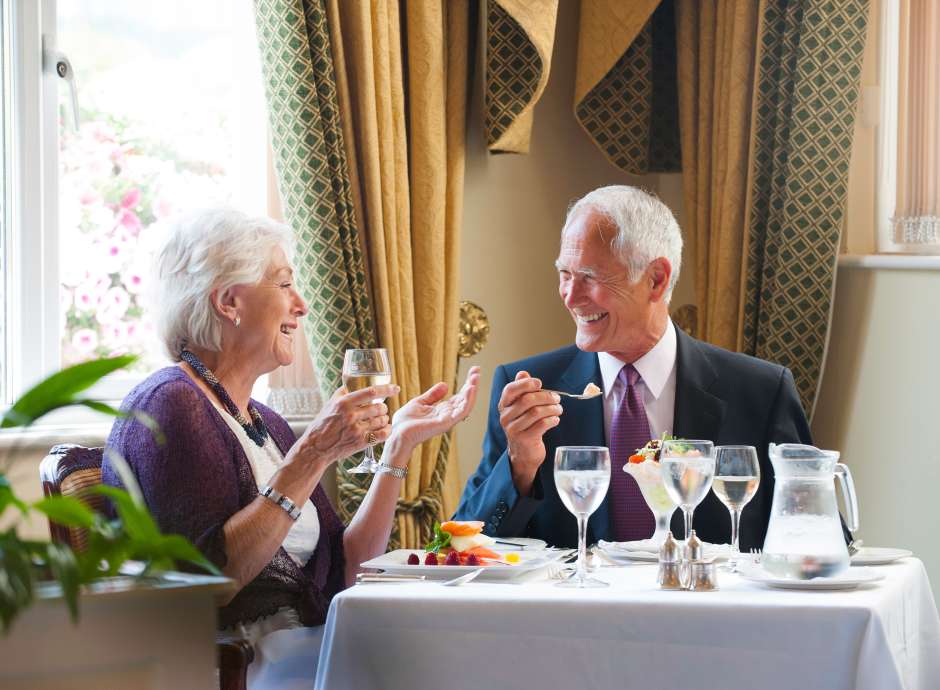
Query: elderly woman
[[230, 474]]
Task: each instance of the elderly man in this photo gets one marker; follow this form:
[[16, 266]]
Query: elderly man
[[619, 261]]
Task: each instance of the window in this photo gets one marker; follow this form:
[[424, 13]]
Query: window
[[908, 148], [167, 113]]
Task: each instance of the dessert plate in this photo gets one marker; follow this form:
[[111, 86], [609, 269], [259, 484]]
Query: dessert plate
[[849, 579], [397, 562], [873, 555]]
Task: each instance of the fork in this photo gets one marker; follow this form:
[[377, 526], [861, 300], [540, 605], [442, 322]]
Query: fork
[[755, 556], [463, 579]]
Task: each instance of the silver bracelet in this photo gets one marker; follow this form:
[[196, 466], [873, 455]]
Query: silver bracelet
[[399, 472], [280, 500]]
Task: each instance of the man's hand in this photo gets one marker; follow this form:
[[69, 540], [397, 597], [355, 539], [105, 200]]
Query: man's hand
[[526, 412]]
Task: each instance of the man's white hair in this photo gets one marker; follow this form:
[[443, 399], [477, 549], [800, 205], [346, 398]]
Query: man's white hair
[[205, 250], [646, 228]]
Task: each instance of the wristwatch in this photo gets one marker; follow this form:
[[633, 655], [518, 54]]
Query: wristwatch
[[279, 499], [399, 472]]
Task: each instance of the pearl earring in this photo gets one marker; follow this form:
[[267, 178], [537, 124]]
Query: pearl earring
[[238, 321]]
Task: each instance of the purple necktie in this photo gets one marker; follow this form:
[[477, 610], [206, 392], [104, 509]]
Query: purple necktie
[[630, 517]]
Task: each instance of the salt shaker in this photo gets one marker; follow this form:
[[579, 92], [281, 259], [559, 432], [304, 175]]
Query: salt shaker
[[669, 564], [694, 549]]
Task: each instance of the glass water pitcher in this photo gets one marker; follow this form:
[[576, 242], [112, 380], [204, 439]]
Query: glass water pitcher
[[804, 536]]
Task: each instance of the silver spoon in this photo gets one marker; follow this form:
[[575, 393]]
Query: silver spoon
[[577, 396]]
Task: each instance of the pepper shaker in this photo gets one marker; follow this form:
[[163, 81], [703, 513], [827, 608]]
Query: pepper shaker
[[670, 562]]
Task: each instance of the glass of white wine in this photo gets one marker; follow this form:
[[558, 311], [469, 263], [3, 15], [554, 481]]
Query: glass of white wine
[[361, 369], [582, 475], [737, 476], [688, 468]]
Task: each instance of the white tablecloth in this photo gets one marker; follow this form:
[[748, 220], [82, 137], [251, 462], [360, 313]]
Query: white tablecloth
[[419, 635]]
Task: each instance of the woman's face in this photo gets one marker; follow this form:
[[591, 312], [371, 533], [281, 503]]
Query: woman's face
[[269, 313]]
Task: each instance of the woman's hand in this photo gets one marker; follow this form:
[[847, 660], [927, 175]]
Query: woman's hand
[[344, 425], [428, 414]]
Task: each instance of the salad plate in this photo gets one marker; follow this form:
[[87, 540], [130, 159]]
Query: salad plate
[[849, 579], [396, 562], [873, 555]]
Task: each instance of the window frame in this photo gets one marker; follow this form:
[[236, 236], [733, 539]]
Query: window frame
[[886, 149], [34, 323]]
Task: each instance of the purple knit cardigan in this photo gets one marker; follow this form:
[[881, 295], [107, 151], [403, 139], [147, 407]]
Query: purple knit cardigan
[[201, 477]]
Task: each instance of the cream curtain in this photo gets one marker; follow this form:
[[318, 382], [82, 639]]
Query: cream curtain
[[716, 45], [402, 78], [917, 216]]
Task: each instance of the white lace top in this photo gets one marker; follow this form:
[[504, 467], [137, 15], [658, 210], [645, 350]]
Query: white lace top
[[301, 541]]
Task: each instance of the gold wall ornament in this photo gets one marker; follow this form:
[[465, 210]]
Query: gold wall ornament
[[686, 318], [474, 329]]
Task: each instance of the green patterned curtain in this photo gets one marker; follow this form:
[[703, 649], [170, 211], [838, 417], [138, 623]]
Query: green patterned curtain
[[630, 108], [520, 35], [806, 92], [314, 182]]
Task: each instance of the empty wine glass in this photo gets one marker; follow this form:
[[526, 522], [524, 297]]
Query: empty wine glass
[[582, 475], [688, 468], [361, 369], [737, 476]]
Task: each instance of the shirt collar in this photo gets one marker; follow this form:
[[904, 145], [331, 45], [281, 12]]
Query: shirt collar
[[654, 367]]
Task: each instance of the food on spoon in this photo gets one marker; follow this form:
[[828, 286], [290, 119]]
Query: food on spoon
[[591, 390]]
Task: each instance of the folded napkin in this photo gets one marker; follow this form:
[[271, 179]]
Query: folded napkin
[[644, 548]]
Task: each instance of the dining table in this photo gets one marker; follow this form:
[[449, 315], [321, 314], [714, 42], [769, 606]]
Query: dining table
[[526, 632]]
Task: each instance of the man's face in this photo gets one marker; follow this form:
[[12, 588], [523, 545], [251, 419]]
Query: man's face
[[611, 313]]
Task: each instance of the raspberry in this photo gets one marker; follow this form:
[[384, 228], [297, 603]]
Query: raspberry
[[430, 559], [452, 559], [473, 560], [413, 559]]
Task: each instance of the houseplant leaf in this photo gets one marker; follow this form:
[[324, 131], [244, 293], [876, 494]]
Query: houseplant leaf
[[60, 390], [66, 510]]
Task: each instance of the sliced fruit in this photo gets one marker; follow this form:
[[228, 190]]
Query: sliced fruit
[[462, 528], [637, 458], [482, 552]]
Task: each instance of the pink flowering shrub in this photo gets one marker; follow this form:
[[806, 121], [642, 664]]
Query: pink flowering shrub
[[116, 185]]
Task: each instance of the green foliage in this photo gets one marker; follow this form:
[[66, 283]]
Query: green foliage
[[111, 543]]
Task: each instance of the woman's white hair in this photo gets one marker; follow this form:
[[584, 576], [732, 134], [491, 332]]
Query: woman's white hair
[[206, 250], [646, 228]]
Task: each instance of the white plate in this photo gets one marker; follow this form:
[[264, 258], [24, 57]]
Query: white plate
[[645, 551], [517, 544], [397, 562], [849, 579], [873, 555]]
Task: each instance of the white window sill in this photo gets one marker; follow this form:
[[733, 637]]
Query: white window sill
[[44, 436], [906, 262]]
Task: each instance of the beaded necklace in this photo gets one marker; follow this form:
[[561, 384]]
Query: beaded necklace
[[256, 431]]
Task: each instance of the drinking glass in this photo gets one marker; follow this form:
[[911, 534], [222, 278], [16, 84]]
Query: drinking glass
[[688, 468], [737, 476], [582, 475], [361, 369]]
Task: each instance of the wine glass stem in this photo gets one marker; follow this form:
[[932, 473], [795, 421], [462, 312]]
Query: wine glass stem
[[370, 455], [687, 512], [582, 547], [735, 551]]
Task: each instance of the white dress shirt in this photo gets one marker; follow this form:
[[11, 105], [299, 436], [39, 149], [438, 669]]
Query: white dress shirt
[[657, 384]]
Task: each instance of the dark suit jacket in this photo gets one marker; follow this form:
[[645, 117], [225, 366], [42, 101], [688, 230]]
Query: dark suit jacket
[[726, 397]]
